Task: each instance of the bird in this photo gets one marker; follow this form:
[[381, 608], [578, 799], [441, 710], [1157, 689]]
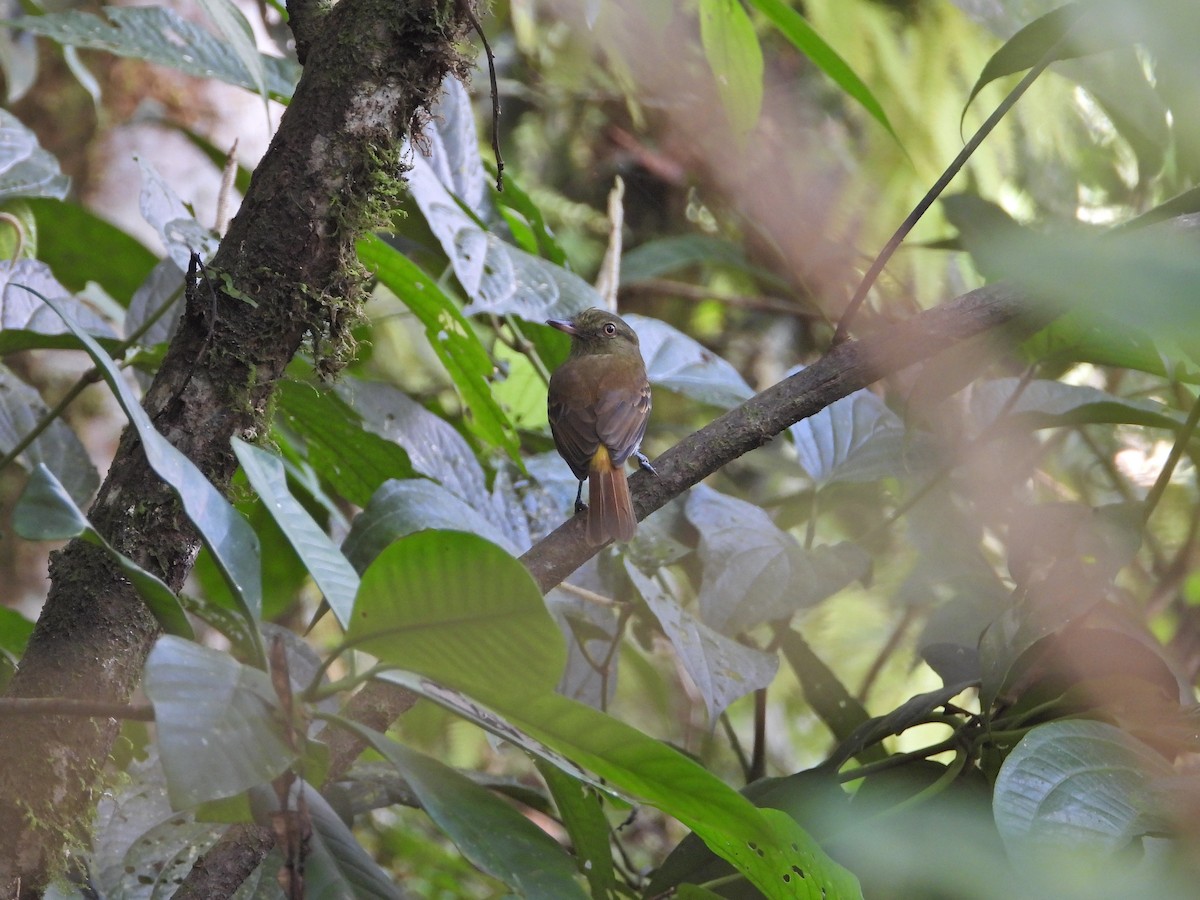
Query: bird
[[598, 404]]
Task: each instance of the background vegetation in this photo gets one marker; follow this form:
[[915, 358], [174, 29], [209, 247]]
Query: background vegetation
[[937, 637]]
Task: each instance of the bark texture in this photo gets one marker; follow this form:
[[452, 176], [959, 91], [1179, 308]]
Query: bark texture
[[372, 67]]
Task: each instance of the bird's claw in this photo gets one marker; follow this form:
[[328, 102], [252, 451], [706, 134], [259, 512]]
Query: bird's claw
[[580, 507], [644, 463]]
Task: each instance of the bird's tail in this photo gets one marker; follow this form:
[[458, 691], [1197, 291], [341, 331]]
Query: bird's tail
[[610, 507]]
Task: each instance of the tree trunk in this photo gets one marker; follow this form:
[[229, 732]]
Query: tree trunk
[[370, 68]]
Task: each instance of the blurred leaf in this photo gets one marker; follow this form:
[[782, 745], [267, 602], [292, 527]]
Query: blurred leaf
[[859, 439], [489, 832], [400, 508], [163, 37], [793, 26], [215, 720], [841, 712], [57, 448], [661, 256], [1076, 29], [581, 810], [15, 630], [330, 570], [515, 199], [19, 62], [1077, 786], [46, 512], [913, 711], [26, 170], [80, 247], [233, 543], [680, 364], [736, 60], [1050, 404], [327, 426], [1083, 335], [163, 286], [722, 669], [452, 339]]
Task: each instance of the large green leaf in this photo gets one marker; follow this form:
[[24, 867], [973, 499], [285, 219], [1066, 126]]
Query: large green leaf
[[462, 611], [46, 512], [794, 27], [681, 364], [164, 37], [232, 542], [216, 722], [582, 812], [330, 570], [489, 832], [736, 60], [452, 339], [1078, 785]]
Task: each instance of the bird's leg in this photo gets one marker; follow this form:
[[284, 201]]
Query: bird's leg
[[644, 463], [580, 506]]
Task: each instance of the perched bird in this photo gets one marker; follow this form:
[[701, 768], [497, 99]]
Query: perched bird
[[598, 403]]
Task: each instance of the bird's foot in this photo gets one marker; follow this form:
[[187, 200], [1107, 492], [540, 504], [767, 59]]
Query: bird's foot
[[580, 507], [644, 463]]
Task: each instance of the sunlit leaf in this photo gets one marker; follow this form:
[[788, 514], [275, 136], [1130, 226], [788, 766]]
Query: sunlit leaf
[[736, 60], [451, 337], [796, 29], [678, 363]]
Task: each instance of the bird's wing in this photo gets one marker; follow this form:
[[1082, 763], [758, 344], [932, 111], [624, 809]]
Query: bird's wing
[[573, 426], [621, 418]]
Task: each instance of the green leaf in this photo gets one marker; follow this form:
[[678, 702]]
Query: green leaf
[[216, 722], [46, 512], [163, 37], [515, 199], [736, 60], [15, 630], [661, 256], [80, 247], [722, 669], [57, 448], [330, 570], [226, 534], [21, 283], [1049, 404], [462, 611], [400, 508], [582, 812], [1078, 785], [26, 170], [793, 26], [489, 832], [327, 426], [452, 339]]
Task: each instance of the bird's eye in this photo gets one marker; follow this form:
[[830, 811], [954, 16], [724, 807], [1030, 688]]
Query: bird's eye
[[610, 328]]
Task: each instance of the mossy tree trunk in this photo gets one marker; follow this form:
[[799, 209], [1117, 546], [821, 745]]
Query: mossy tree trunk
[[371, 67]]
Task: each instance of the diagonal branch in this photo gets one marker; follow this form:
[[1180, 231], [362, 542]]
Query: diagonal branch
[[845, 369]]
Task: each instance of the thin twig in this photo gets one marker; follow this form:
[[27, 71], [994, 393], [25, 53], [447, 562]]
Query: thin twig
[[1168, 469], [465, 6], [885, 653]]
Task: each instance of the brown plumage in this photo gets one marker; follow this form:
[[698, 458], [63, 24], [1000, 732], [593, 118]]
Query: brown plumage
[[599, 402]]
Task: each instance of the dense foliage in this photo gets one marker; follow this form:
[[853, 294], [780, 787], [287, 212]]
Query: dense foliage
[[938, 638]]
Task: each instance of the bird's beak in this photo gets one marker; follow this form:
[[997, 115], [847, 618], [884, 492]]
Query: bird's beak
[[562, 325]]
